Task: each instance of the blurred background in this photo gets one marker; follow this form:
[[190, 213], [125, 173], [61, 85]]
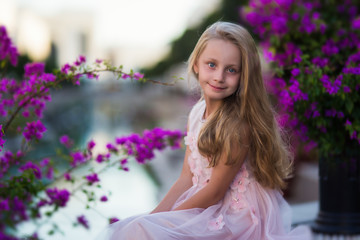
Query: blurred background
[[154, 37]]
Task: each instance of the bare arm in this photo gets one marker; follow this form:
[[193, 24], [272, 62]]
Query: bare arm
[[220, 180], [183, 183]]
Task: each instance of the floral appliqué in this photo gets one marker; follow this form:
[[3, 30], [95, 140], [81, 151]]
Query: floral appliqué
[[217, 223], [238, 188], [197, 163], [253, 216]]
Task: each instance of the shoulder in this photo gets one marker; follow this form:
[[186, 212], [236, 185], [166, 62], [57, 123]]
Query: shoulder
[[197, 110], [196, 114]]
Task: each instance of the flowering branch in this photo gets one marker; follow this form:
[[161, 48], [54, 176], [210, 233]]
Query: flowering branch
[[28, 187]]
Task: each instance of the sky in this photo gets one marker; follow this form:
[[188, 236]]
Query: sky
[[125, 23]]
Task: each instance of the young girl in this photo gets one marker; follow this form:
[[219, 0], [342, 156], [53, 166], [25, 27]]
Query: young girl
[[235, 161]]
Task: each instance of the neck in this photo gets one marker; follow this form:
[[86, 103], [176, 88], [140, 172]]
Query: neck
[[211, 106]]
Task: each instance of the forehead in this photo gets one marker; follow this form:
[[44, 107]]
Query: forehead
[[221, 50]]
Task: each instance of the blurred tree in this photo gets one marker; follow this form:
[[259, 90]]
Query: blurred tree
[[181, 48]]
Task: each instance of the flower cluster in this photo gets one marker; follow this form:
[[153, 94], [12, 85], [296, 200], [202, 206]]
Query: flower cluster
[[34, 130], [316, 66], [7, 49], [143, 147], [24, 178], [57, 197]]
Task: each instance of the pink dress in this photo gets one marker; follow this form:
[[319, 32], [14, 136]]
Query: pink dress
[[248, 210]]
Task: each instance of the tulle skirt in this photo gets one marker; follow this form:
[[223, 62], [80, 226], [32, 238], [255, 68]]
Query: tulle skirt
[[260, 214]]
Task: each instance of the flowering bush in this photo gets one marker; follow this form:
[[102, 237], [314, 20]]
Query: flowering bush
[[25, 182], [314, 50]]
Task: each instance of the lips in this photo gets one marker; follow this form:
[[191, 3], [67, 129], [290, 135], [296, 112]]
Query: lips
[[216, 88]]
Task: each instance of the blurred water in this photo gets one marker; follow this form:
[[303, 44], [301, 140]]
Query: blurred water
[[103, 112]]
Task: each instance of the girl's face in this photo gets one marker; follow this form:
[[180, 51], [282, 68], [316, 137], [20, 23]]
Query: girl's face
[[218, 69]]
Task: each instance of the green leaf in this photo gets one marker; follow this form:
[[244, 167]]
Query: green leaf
[[349, 106]]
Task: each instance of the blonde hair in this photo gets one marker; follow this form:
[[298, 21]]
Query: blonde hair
[[248, 110]]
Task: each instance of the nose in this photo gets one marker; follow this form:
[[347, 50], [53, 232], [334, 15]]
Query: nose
[[219, 75]]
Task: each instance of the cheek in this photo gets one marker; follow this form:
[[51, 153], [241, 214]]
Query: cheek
[[236, 81]]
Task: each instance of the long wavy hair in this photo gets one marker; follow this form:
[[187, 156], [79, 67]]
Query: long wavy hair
[[245, 114]]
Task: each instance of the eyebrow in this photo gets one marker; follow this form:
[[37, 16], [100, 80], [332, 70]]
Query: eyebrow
[[228, 65]]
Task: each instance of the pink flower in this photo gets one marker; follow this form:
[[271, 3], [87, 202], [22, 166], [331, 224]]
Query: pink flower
[[138, 76], [217, 223], [125, 76], [253, 216], [103, 199], [238, 201]]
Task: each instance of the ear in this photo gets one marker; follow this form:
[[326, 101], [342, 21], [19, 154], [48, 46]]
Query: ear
[[196, 68]]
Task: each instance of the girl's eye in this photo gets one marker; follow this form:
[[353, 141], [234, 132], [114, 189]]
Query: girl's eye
[[232, 70], [211, 65]]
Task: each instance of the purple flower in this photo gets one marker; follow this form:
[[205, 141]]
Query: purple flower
[[348, 123], [65, 69], [2, 140], [111, 147], [92, 178], [66, 141], [7, 49], [100, 158], [320, 62], [34, 130], [58, 197], [67, 176], [77, 158], [346, 89], [330, 48], [323, 28], [340, 114], [295, 72], [33, 167], [310, 145], [297, 93], [44, 162], [279, 25], [91, 144], [331, 88], [34, 69], [82, 59], [307, 25], [113, 220], [83, 221], [103, 199], [353, 135], [4, 205], [356, 23], [18, 208]]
